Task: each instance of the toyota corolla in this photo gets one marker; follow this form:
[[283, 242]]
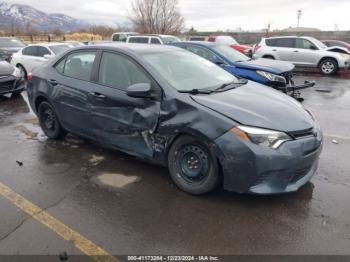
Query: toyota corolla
[[179, 110]]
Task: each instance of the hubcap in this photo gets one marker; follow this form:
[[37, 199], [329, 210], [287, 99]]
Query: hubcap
[[193, 162], [328, 67]]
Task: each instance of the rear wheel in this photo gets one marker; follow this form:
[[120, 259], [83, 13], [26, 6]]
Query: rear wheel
[[49, 122], [193, 167], [328, 66]]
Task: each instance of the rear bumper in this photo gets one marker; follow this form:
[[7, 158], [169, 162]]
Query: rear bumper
[[248, 168]]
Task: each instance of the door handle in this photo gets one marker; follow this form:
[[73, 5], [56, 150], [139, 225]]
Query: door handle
[[53, 82], [296, 51], [274, 50], [98, 95]]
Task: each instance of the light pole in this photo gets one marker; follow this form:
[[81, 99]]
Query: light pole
[[299, 16]]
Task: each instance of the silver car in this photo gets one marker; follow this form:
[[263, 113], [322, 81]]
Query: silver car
[[305, 52]]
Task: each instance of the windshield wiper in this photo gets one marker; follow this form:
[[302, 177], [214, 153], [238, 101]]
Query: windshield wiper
[[197, 91], [230, 85]]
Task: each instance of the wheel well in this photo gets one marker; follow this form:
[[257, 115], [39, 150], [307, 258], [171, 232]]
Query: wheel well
[[324, 58], [38, 101]]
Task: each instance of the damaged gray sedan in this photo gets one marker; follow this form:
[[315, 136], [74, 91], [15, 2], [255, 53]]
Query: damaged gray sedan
[[179, 110]]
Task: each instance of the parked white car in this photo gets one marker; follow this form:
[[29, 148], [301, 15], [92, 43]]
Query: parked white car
[[32, 56], [122, 36], [153, 39], [303, 51]]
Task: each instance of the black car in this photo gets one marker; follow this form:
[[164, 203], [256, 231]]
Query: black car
[[8, 46], [11, 80], [176, 109]]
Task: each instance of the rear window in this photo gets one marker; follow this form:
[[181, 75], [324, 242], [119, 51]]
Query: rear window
[[56, 49], [140, 40], [10, 42]]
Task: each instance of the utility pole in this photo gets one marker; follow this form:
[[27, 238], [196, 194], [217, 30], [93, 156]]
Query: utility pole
[[299, 16]]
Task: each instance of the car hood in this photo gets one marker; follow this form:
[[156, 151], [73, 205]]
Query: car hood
[[5, 68], [259, 106], [10, 50], [338, 49], [269, 65]]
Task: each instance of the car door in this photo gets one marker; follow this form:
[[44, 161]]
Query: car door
[[305, 53], [282, 49], [29, 58], [124, 122], [71, 85]]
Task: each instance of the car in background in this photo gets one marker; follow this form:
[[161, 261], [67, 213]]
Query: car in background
[[305, 52], [11, 80], [122, 36], [277, 74], [10, 45], [35, 55], [230, 41], [153, 39], [198, 38], [176, 109], [333, 43], [74, 43]]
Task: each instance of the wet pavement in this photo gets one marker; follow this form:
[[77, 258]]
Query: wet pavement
[[127, 206]]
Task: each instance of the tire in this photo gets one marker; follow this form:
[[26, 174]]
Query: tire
[[192, 166], [328, 66], [49, 122], [269, 57], [23, 71]]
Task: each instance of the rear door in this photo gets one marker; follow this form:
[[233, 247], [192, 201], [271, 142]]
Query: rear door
[[282, 49], [119, 120], [71, 85]]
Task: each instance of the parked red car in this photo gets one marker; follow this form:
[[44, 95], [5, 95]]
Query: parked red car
[[330, 43], [230, 41]]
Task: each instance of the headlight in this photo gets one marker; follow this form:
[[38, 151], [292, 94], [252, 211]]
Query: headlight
[[344, 56], [263, 137], [16, 72], [271, 77]]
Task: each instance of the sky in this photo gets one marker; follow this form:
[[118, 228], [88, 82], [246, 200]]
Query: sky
[[212, 15]]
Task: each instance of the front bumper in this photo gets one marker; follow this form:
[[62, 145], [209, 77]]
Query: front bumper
[[249, 168], [8, 86]]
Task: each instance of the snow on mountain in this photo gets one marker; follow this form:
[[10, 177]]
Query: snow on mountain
[[20, 15]]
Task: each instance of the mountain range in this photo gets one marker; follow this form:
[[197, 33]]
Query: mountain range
[[18, 15]]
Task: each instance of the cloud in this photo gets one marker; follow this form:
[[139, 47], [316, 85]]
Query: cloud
[[214, 14]]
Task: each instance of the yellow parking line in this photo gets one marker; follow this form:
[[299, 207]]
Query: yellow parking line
[[80, 242]]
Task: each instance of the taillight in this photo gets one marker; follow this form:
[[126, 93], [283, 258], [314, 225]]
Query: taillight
[[30, 77], [211, 38], [256, 47]]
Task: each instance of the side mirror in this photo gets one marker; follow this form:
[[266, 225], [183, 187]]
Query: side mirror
[[313, 47], [47, 56], [141, 90], [218, 61]]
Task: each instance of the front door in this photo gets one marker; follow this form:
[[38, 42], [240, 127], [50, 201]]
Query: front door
[[119, 120], [305, 53]]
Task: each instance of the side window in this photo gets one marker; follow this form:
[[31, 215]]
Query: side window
[[140, 40], [119, 72], [303, 44], [270, 42], [43, 51], [79, 65], [155, 41], [30, 51], [285, 42], [201, 52], [115, 37], [60, 66]]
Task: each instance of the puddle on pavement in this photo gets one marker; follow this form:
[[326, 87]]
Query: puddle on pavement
[[115, 180]]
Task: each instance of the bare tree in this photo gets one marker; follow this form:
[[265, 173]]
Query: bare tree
[[156, 16]]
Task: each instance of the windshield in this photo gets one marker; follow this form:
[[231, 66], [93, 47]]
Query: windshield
[[186, 71], [170, 39], [226, 40], [59, 48], [10, 42], [230, 53], [318, 43]]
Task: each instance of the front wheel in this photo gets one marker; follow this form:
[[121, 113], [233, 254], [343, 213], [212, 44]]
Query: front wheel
[[49, 122], [193, 167], [328, 67]]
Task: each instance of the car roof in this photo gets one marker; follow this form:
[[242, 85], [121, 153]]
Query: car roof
[[116, 33], [156, 35], [132, 48], [49, 44], [202, 43]]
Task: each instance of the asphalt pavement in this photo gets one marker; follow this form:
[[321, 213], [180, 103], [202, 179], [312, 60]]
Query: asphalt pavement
[[72, 196]]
